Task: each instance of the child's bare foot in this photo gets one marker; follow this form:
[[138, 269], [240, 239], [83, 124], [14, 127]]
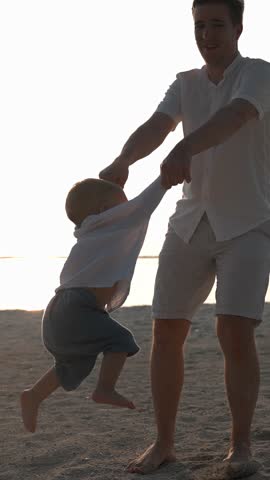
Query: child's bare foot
[[112, 398], [29, 409]]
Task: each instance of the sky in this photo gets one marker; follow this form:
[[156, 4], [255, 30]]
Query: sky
[[77, 78]]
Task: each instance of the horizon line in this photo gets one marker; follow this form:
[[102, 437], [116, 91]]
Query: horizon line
[[8, 257]]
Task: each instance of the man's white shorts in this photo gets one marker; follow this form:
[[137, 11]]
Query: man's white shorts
[[187, 272]]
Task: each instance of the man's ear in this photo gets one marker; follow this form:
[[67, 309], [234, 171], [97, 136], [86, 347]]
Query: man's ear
[[239, 31]]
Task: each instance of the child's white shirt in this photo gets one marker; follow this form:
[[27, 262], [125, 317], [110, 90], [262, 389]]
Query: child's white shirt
[[108, 245]]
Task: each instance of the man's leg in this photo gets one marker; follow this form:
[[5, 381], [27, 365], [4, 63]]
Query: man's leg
[[242, 377], [167, 376]]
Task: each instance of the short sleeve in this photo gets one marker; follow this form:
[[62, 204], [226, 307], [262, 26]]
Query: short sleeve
[[254, 86], [171, 103]]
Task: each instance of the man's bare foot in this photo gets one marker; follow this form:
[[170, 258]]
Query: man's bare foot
[[112, 398], [239, 462], [239, 453], [151, 459], [29, 410]]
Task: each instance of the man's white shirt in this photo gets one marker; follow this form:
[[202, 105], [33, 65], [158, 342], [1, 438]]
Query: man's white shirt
[[230, 182], [108, 245]]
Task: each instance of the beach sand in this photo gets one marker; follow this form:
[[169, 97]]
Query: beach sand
[[78, 440]]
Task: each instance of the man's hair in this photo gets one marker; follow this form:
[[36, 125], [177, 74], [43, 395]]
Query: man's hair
[[86, 196], [236, 8]]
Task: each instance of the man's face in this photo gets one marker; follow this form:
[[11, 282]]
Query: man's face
[[215, 33]]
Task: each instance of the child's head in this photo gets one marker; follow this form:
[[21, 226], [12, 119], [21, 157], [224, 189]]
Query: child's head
[[92, 196]]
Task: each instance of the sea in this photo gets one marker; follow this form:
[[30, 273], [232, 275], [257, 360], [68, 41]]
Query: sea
[[27, 283]]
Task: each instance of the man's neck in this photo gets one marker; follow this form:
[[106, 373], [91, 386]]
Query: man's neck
[[216, 72]]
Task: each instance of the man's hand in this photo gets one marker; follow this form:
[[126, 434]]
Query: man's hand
[[116, 172], [176, 166]]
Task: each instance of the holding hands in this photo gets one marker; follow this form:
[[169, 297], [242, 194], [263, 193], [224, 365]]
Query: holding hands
[[175, 168], [116, 172]]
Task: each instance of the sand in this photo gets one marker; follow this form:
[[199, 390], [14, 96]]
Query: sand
[[78, 440]]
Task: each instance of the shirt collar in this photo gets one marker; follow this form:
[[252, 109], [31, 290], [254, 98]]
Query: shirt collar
[[232, 65], [238, 59]]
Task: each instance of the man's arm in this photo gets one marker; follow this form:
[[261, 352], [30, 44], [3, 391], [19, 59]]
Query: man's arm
[[147, 137], [224, 123], [221, 126], [141, 143]]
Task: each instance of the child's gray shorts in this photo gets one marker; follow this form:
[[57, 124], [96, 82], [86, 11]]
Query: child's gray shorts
[[75, 331]]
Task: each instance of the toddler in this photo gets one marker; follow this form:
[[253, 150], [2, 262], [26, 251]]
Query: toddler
[[95, 280]]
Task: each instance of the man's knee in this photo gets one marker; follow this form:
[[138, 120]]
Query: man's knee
[[236, 335], [170, 332]]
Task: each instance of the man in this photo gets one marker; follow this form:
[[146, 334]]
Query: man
[[221, 228]]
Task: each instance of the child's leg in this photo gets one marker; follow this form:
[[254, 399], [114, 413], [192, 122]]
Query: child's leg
[[32, 398], [111, 367]]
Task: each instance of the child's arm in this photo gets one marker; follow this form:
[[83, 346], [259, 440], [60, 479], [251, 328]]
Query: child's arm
[[148, 200], [125, 214]]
